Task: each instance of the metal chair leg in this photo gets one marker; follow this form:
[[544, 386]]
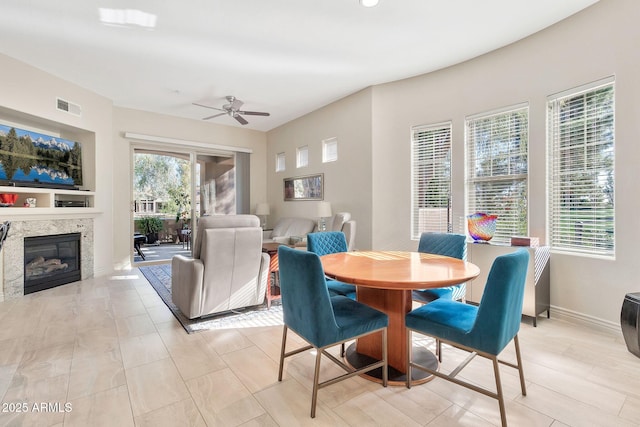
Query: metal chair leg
[[316, 375], [520, 370], [284, 344], [385, 367], [500, 397]]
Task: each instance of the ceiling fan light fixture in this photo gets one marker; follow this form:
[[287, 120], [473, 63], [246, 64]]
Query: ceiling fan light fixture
[[369, 3]]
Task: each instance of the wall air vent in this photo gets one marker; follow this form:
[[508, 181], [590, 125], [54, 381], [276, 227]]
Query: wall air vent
[[68, 107]]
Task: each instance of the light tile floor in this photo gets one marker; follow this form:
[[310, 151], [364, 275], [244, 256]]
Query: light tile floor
[[107, 352]]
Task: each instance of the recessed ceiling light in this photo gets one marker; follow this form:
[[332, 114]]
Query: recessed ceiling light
[[127, 17], [369, 3]]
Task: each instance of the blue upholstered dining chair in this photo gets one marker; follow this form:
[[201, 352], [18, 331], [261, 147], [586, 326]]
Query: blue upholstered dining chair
[[447, 244], [331, 242], [321, 320], [484, 330]]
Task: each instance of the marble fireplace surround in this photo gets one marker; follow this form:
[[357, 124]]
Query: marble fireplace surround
[[13, 250]]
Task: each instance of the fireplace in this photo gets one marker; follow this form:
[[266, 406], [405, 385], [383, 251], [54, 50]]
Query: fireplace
[[50, 261]]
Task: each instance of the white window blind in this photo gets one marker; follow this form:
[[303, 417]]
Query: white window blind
[[497, 169], [280, 162], [329, 150], [431, 179], [581, 170], [302, 157]]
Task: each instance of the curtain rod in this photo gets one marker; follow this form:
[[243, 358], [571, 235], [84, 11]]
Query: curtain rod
[[153, 138]]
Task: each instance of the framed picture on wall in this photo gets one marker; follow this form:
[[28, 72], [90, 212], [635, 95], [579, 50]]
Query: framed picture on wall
[[308, 187]]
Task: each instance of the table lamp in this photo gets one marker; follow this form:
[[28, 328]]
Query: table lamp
[[324, 212], [262, 211]]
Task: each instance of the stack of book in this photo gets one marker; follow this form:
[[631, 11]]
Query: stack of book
[[524, 241]]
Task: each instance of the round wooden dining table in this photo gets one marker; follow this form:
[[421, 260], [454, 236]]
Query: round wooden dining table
[[384, 280]]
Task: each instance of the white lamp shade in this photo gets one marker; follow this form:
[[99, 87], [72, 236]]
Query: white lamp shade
[[262, 209], [324, 210]]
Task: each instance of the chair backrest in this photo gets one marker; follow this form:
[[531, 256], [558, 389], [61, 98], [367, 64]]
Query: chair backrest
[[306, 305], [326, 242], [447, 244], [230, 248], [221, 222], [500, 309]]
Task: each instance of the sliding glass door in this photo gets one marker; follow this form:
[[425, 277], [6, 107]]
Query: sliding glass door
[[172, 188]]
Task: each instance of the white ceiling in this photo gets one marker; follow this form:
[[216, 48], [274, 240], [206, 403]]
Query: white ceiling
[[287, 57]]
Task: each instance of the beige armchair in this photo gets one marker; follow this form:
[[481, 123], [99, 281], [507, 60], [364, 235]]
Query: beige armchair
[[342, 222], [228, 269]]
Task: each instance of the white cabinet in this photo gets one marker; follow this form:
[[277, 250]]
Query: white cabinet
[[536, 292]]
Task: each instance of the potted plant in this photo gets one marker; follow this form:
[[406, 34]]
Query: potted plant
[[150, 226]]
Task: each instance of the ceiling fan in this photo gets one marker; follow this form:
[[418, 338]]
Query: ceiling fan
[[233, 109]]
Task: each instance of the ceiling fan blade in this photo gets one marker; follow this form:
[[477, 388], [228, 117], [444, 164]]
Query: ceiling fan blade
[[240, 119], [254, 113], [215, 115], [207, 106]]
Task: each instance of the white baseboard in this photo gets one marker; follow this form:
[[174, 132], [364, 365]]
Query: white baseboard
[[574, 316]]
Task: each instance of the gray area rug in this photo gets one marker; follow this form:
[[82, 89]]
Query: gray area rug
[[159, 276]]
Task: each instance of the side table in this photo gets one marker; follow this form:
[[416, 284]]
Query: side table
[[186, 237], [273, 290], [537, 289]]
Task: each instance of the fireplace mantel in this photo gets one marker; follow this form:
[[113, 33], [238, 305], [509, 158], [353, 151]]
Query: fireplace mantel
[[39, 214], [50, 203]]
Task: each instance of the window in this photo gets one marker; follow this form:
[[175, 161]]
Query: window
[[280, 162], [329, 150], [431, 179], [497, 166], [581, 169], [145, 206], [302, 157]]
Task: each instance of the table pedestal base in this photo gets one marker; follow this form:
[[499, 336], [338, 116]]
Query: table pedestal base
[[421, 356]]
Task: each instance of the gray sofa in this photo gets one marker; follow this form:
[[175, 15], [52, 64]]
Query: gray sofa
[[289, 227], [293, 231], [228, 269]]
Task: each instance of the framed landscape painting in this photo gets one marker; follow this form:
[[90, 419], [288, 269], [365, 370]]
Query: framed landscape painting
[[308, 187]]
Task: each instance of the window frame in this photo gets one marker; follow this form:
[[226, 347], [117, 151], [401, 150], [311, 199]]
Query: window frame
[[302, 156], [281, 162], [326, 146]]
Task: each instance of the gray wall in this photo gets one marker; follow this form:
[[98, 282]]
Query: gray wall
[[348, 181], [598, 42]]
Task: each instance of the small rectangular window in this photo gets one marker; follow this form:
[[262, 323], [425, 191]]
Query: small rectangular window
[[302, 158], [280, 162], [330, 150]]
